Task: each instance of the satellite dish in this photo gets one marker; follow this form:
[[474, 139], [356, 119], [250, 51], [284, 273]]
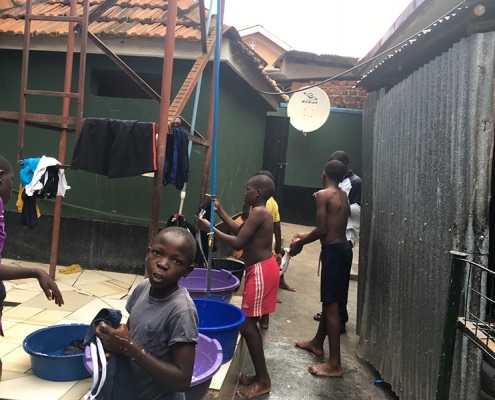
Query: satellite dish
[[308, 109]]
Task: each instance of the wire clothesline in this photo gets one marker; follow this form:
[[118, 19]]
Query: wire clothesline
[[393, 50]]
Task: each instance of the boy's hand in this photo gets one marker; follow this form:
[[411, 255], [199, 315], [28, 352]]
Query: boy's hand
[[115, 340], [202, 224], [218, 206], [298, 236], [279, 256], [52, 292], [295, 247]]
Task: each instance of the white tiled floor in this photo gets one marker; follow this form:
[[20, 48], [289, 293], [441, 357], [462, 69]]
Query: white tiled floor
[[85, 293], [27, 310]]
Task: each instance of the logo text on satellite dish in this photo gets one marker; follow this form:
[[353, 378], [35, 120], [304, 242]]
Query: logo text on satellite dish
[[312, 99]]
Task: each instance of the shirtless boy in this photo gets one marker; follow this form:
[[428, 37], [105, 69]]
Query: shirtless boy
[[254, 237], [332, 211]]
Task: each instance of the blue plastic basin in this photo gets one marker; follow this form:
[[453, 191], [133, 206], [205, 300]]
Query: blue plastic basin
[[222, 321], [45, 347]]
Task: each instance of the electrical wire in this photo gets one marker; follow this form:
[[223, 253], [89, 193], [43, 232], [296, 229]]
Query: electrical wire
[[401, 44]]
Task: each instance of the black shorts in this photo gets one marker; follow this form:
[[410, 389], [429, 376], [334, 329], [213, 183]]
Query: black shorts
[[336, 261]]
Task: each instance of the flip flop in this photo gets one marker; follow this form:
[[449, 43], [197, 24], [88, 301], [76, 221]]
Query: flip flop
[[317, 316]]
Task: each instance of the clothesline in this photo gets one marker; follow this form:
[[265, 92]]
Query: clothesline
[[54, 166]]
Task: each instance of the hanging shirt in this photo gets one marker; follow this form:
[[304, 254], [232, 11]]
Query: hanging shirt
[[116, 148], [352, 186], [40, 177], [176, 167]]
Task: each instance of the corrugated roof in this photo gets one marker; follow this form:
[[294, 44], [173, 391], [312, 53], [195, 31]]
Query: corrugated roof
[[393, 64]]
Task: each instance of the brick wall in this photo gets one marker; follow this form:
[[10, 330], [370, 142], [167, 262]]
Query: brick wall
[[342, 94]]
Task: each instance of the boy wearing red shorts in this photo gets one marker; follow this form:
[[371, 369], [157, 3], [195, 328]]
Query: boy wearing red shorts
[[254, 237]]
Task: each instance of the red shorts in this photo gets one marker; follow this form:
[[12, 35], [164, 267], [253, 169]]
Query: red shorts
[[260, 288]]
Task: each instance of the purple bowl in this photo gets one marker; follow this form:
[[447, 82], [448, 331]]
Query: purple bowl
[[223, 283], [207, 362]]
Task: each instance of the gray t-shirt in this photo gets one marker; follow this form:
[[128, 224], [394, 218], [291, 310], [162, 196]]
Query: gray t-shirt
[[157, 325]]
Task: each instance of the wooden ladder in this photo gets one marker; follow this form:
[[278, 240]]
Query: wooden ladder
[[191, 80], [62, 122]]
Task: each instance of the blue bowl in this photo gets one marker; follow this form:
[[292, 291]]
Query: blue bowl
[[221, 321], [45, 347]]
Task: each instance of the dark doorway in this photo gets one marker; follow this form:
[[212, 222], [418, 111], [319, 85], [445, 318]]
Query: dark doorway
[[275, 152]]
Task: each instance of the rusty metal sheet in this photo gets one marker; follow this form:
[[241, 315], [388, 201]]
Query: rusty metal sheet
[[426, 190]]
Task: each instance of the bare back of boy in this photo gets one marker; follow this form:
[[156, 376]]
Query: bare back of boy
[[332, 211]]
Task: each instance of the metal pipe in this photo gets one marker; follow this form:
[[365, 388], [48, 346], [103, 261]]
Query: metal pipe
[[82, 67], [209, 132], [450, 323], [196, 100], [168, 63], [215, 134], [69, 63], [24, 79]]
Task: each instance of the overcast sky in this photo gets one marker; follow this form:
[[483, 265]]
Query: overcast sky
[[339, 27]]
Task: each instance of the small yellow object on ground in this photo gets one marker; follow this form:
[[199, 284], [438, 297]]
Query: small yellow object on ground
[[71, 269]]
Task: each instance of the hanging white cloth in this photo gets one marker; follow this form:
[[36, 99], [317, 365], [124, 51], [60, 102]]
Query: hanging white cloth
[[37, 182]]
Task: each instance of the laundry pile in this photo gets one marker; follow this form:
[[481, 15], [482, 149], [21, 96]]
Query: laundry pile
[[41, 178]]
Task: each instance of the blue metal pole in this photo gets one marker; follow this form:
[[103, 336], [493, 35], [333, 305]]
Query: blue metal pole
[[216, 67], [194, 116]]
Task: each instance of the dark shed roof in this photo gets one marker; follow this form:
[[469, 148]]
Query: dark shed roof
[[386, 65]]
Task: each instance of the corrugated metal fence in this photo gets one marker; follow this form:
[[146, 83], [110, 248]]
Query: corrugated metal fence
[[426, 188]]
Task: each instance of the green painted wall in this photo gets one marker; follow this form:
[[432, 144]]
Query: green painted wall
[[241, 125], [307, 154]]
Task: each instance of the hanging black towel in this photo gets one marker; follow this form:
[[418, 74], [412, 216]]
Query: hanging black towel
[[93, 148], [116, 148], [176, 167]]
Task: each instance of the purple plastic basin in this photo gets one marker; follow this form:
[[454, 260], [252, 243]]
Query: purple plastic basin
[[207, 362], [223, 283]]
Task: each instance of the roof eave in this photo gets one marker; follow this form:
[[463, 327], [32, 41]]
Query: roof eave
[[401, 61], [248, 65], [248, 69]]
